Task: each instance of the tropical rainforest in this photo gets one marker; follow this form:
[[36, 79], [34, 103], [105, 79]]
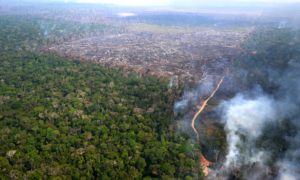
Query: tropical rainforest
[[80, 120], [65, 119]]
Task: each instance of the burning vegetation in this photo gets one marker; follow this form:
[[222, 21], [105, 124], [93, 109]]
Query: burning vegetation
[[106, 92]]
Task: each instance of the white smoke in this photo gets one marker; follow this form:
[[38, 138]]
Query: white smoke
[[170, 85], [289, 167], [205, 87], [182, 104], [282, 24], [287, 171], [246, 115]]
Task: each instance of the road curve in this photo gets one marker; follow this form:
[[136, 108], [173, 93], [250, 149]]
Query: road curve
[[204, 163]]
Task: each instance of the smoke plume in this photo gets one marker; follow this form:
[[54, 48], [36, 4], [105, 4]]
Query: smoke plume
[[205, 87], [247, 117]]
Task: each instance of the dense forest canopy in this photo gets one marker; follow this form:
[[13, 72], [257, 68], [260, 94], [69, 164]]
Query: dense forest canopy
[[65, 119], [269, 53], [62, 119]]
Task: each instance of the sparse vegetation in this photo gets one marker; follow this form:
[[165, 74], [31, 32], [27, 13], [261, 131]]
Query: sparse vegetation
[[181, 29], [85, 93]]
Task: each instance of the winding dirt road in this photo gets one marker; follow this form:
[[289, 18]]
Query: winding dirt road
[[204, 163]]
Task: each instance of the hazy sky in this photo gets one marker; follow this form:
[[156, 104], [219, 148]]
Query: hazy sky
[[178, 2]]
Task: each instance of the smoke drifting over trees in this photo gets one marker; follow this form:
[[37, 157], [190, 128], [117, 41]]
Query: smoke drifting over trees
[[101, 91], [247, 117], [262, 120]]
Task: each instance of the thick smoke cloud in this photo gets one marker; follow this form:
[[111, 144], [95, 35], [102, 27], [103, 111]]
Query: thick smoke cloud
[[246, 117], [246, 114]]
